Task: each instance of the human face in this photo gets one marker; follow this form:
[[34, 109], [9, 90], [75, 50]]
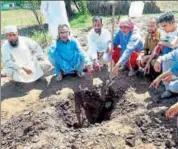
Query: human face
[[97, 25], [13, 38], [64, 34], [152, 27], [124, 29], [167, 27]]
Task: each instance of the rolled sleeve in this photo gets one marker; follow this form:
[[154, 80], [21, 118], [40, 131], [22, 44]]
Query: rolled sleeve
[[130, 48]]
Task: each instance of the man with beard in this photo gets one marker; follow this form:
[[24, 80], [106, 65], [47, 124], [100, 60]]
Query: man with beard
[[151, 41], [99, 43], [22, 57], [169, 35]]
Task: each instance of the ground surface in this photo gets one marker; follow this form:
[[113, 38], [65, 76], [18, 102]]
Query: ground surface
[[37, 115]]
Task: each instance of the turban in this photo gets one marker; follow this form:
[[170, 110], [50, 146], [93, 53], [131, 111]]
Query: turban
[[126, 22]]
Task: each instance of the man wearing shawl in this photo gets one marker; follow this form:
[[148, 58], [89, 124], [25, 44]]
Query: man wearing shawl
[[66, 54], [127, 45], [22, 57]]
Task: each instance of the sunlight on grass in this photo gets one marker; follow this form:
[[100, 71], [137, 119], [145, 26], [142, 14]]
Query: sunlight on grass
[[19, 17], [81, 21]]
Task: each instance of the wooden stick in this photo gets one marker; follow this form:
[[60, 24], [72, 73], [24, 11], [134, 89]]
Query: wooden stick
[[112, 45]]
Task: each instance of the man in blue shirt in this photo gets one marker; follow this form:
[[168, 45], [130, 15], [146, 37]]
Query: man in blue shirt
[[170, 77], [127, 45], [66, 54]]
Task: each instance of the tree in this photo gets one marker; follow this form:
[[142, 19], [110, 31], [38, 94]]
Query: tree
[[68, 8]]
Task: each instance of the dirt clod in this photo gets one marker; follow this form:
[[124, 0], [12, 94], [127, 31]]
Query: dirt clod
[[21, 129]]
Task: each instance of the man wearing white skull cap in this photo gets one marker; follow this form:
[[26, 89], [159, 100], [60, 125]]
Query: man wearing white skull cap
[[22, 57]]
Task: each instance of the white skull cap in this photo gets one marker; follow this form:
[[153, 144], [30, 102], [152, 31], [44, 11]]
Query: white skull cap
[[10, 29]]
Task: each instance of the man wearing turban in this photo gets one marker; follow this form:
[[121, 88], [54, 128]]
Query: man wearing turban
[[127, 46]]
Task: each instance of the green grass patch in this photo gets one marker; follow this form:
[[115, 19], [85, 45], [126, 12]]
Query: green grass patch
[[19, 17], [80, 21]]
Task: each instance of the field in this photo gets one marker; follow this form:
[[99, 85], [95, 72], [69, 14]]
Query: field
[[48, 114]]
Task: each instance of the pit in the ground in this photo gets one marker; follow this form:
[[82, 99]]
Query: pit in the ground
[[89, 106]]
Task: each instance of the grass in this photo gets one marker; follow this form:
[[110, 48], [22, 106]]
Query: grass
[[167, 5], [39, 37], [80, 21], [23, 18], [19, 17]]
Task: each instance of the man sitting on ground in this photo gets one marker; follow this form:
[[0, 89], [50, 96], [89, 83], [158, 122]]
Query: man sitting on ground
[[169, 77], [168, 34], [66, 55], [22, 57], [127, 46], [99, 42], [151, 41]]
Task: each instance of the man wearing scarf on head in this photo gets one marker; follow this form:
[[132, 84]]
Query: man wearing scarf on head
[[22, 57], [127, 45]]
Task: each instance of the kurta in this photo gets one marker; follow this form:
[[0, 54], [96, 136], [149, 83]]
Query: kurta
[[98, 43], [67, 57], [55, 12], [26, 55]]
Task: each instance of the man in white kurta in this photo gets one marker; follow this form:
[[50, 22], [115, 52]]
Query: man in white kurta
[[99, 43], [22, 57], [55, 13]]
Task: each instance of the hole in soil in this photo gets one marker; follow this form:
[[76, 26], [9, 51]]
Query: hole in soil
[[89, 106]]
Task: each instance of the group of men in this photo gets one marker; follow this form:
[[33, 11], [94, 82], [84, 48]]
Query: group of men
[[157, 55]]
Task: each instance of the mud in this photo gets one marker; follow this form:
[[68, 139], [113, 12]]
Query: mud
[[80, 117], [22, 129], [157, 129], [88, 106]]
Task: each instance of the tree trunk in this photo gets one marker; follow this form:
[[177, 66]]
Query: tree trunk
[[68, 8]]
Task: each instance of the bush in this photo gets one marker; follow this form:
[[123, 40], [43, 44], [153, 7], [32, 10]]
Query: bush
[[39, 37]]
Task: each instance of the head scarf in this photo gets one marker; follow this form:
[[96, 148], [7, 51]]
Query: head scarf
[[126, 22]]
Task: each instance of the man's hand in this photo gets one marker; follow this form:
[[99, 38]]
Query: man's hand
[[28, 71], [155, 83], [173, 110], [157, 66], [147, 68], [168, 78], [116, 70], [89, 70], [96, 65], [140, 60]]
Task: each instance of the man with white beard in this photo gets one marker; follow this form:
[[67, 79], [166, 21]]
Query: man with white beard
[[22, 57], [55, 13]]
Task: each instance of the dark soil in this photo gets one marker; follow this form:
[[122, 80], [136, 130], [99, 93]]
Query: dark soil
[[21, 129]]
